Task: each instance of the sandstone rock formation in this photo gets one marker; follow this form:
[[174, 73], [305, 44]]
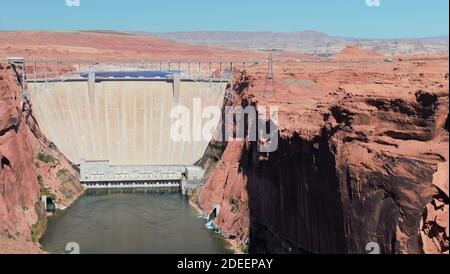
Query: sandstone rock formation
[[307, 42], [352, 52], [362, 157], [30, 167]]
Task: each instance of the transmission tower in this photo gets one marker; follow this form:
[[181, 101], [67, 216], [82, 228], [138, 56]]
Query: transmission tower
[[270, 77]]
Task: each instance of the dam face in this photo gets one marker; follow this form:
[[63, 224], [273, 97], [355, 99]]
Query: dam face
[[124, 121]]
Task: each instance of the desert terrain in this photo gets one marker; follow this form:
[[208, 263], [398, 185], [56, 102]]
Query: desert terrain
[[363, 149]]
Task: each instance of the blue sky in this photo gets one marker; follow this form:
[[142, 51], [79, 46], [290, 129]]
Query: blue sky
[[352, 18]]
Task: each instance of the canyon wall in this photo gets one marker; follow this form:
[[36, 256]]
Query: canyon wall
[[31, 166], [359, 162]]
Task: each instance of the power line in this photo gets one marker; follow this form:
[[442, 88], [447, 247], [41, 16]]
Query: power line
[[270, 77]]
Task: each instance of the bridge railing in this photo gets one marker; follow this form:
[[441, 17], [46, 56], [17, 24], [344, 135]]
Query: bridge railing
[[47, 70], [56, 72]]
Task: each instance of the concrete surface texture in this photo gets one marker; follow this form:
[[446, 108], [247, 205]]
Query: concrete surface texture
[[125, 121]]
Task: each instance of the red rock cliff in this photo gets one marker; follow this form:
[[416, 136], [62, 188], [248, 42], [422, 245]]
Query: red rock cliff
[[30, 167], [362, 157]]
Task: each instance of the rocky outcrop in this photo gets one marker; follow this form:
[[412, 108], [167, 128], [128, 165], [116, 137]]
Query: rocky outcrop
[[30, 167], [352, 169], [353, 52]]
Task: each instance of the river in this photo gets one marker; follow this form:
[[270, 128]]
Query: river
[[136, 221]]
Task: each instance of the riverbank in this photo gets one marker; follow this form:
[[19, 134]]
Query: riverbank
[[231, 245]]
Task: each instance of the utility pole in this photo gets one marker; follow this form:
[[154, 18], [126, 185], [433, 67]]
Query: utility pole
[[270, 78]]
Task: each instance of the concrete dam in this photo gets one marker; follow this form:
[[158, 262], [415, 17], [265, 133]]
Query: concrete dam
[[118, 129]]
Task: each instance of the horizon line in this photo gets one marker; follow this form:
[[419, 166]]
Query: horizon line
[[227, 31]]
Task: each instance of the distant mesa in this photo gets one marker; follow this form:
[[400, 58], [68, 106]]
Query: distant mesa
[[352, 51]]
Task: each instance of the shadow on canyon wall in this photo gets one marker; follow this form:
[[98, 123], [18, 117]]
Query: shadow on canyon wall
[[294, 203], [312, 196]]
